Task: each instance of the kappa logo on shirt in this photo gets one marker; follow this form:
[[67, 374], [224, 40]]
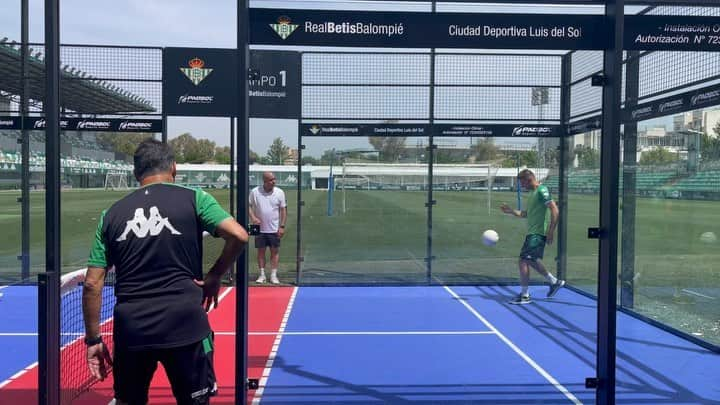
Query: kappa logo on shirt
[[141, 226]]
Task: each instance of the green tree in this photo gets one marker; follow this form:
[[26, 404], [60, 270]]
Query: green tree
[[485, 150], [329, 156], [552, 158], [123, 142], [447, 156], [253, 158], [658, 156], [204, 151], [183, 146], [526, 158], [588, 158], [389, 147], [309, 160], [222, 155], [277, 152], [710, 148], [187, 149]]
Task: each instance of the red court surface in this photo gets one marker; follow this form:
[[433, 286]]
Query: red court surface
[[266, 310]]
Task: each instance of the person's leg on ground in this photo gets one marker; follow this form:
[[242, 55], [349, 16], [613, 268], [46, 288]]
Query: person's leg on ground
[[191, 373], [274, 260], [261, 260], [524, 269], [555, 284], [132, 373]]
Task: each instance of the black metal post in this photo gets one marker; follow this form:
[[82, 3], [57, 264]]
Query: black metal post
[[609, 162], [49, 377], [243, 137], [627, 260], [233, 272], [430, 154], [232, 167], [298, 228], [164, 124], [25, 145], [564, 146]]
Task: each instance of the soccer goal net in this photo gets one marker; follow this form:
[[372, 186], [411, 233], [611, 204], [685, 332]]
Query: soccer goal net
[[415, 177], [116, 181]]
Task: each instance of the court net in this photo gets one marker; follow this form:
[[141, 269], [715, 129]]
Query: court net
[[75, 377]]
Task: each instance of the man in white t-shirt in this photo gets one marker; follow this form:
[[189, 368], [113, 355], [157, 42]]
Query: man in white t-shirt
[[268, 209]]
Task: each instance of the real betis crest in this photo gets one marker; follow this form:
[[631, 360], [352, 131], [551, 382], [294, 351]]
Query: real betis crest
[[284, 27], [196, 72]]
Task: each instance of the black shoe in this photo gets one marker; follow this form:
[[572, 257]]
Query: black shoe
[[555, 287], [520, 300]]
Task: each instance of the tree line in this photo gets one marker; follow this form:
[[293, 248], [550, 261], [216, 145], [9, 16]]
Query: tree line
[[189, 149]]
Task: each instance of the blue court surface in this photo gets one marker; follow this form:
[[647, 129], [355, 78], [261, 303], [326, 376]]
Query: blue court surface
[[19, 322], [443, 345], [467, 345]]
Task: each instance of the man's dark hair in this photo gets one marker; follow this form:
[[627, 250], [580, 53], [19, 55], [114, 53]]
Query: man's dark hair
[[526, 174], [152, 157]]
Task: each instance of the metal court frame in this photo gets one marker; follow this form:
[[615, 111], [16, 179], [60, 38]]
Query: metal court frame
[[608, 226]]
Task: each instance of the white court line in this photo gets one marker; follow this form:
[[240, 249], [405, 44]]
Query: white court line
[[33, 365], [221, 297], [685, 290], [517, 350], [276, 344], [18, 374], [381, 333]]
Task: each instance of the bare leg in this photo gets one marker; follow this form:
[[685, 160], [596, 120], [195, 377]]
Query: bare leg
[[274, 257], [524, 267], [539, 267], [261, 257]]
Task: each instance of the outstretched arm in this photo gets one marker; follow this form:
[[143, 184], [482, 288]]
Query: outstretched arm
[[506, 209]]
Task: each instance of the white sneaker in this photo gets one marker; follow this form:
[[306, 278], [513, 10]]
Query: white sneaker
[[261, 279], [274, 279]]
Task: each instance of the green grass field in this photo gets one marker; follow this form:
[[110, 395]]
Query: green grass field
[[382, 238]]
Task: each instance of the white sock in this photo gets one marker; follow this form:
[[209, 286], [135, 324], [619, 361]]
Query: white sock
[[262, 271], [551, 278], [274, 272], [524, 292]]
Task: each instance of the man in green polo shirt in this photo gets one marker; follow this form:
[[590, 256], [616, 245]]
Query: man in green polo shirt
[[539, 234]]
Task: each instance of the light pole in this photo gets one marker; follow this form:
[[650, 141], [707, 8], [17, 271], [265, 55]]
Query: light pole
[[694, 145], [331, 185]]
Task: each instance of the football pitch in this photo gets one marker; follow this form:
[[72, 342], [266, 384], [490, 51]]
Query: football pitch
[[381, 236]]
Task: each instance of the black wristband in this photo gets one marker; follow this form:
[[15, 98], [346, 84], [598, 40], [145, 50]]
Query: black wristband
[[93, 341]]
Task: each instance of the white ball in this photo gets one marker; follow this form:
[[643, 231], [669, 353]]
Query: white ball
[[490, 237], [708, 237]]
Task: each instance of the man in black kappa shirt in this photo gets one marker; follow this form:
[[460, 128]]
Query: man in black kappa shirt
[[153, 237]]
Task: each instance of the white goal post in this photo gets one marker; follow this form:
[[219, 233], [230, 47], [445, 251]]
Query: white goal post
[[414, 177], [116, 181]]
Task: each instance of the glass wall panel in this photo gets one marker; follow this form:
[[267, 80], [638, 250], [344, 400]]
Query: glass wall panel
[[10, 205], [583, 207], [669, 192], [364, 218]]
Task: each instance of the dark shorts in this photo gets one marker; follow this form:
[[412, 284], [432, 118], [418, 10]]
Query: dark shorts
[[264, 240], [189, 369], [533, 248]]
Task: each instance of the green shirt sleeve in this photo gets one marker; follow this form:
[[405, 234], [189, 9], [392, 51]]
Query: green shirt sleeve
[[544, 195], [209, 211], [98, 253]]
